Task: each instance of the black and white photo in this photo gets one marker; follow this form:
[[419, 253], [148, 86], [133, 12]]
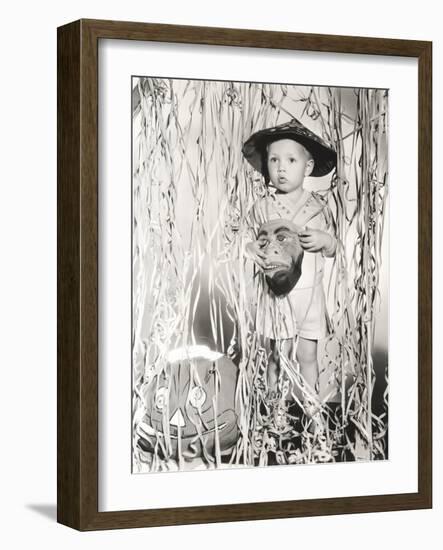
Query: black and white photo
[[259, 274]]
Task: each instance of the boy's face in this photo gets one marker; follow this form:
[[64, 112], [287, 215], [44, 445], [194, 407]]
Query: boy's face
[[288, 164]]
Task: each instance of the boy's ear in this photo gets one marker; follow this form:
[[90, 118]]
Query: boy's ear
[[309, 167]]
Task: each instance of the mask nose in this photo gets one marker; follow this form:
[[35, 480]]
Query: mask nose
[[177, 419], [274, 248]]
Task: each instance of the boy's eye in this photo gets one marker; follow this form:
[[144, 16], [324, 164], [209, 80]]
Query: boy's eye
[[291, 160], [281, 238]]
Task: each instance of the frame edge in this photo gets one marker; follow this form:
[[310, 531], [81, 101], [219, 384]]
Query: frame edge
[[425, 274], [68, 275], [77, 250]]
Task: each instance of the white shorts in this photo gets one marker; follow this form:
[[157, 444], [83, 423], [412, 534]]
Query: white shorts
[[302, 312]]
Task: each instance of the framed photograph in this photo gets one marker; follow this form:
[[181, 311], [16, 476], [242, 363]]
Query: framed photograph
[[244, 275]]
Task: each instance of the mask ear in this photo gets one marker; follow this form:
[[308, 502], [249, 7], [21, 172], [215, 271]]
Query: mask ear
[[309, 167]]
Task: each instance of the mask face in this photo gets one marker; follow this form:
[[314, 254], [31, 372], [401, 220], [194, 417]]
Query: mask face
[[190, 405], [279, 254]]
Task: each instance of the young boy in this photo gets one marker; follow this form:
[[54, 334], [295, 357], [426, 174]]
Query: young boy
[[285, 155]]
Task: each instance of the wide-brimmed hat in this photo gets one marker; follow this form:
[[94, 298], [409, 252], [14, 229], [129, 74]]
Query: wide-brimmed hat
[[254, 149]]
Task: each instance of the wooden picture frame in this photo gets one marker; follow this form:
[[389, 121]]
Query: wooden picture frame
[[77, 455]]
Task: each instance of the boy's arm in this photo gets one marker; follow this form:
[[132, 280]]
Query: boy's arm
[[319, 234], [330, 249], [318, 240]]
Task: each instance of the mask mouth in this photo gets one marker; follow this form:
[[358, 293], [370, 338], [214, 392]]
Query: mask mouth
[[275, 267]]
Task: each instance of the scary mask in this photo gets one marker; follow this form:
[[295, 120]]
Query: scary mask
[[278, 253], [191, 406]]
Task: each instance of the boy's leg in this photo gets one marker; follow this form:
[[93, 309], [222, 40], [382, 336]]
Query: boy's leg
[[281, 352], [273, 369], [307, 359]]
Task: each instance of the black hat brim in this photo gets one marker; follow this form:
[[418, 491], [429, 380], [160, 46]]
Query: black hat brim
[[254, 149]]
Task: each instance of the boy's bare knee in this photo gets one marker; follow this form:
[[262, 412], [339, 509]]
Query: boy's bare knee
[[307, 351]]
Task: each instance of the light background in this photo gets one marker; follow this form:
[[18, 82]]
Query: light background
[[28, 277]]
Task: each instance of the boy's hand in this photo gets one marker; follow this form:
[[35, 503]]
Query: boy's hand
[[254, 253], [314, 240]]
